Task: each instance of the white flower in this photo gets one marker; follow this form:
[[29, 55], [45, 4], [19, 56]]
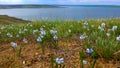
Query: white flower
[[39, 39], [35, 31], [29, 24], [9, 35], [42, 36], [44, 26], [17, 35], [103, 25], [25, 30], [118, 38], [25, 40], [108, 34], [11, 27], [86, 23], [59, 60], [20, 32], [84, 62], [114, 28], [3, 27], [69, 31], [82, 37], [43, 32], [100, 28], [55, 37], [92, 26], [13, 44]]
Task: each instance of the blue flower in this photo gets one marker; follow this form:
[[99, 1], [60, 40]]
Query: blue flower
[[114, 28], [84, 62], [39, 39], [59, 60], [13, 44], [53, 32], [89, 51], [55, 37], [42, 32], [82, 37]]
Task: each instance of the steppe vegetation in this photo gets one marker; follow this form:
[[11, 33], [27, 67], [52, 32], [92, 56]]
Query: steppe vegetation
[[61, 44]]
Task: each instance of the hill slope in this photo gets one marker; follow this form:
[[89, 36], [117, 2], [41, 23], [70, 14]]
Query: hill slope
[[4, 19]]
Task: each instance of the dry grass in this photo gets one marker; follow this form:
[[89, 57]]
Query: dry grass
[[32, 56]]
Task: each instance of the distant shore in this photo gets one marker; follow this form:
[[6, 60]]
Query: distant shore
[[52, 6], [27, 6]]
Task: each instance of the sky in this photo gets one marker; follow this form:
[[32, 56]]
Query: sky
[[63, 2]]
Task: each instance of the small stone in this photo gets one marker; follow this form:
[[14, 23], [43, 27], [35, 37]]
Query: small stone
[[36, 53], [24, 62]]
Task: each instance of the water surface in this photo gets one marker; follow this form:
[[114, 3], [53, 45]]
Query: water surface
[[73, 13]]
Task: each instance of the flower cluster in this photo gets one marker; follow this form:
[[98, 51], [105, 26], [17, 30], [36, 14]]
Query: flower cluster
[[54, 32], [101, 27]]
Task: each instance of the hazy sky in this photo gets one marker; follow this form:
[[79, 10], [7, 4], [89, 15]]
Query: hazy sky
[[74, 2]]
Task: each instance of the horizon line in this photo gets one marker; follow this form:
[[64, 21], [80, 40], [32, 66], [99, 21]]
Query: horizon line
[[65, 4]]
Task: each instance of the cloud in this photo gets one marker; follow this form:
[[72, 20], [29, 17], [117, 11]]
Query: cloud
[[89, 1], [102, 2], [10, 1], [20, 1]]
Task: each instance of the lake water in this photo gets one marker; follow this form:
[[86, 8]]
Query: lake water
[[74, 13]]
